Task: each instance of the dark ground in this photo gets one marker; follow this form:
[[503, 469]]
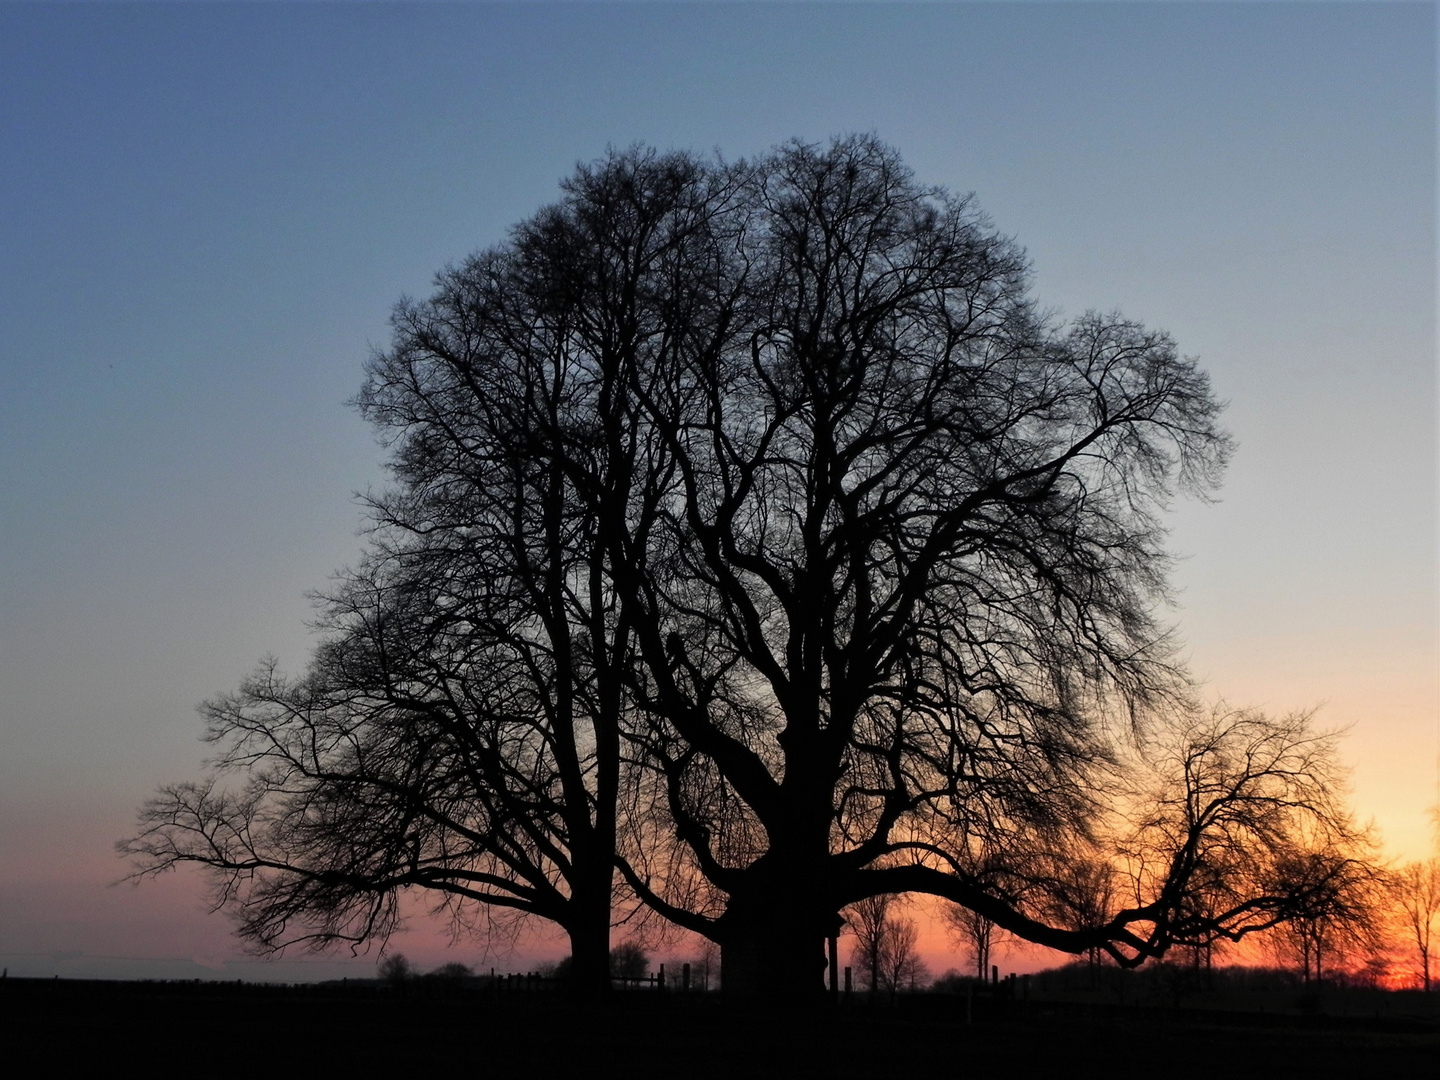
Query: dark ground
[[210, 1029]]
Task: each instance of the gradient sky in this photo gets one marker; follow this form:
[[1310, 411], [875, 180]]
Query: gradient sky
[[208, 213]]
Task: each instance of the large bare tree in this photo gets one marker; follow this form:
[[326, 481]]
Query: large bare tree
[[755, 534], [903, 594], [459, 731]]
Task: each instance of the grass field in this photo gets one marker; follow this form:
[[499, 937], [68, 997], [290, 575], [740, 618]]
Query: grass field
[[216, 1029]]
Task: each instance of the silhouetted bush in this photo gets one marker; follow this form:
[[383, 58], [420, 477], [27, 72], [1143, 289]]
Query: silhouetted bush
[[629, 960], [395, 969], [452, 972]]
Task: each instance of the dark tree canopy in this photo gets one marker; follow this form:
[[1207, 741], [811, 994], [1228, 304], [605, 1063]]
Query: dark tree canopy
[[753, 535]]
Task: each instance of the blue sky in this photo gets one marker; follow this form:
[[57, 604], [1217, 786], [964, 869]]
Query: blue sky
[[209, 211]]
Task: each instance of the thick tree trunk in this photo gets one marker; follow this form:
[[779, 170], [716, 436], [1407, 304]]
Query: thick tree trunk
[[590, 932], [777, 921], [590, 961], [773, 935], [768, 954]]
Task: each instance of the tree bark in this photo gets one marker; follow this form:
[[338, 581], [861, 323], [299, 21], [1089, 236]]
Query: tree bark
[[590, 959], [772, 940], [590, 931]]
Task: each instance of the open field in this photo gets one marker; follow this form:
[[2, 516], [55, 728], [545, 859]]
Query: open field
[[237, 1030]]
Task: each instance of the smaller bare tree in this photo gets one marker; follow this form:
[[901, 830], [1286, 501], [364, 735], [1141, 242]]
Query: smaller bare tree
[[1083, 895], [1011, 875], [867, 922], [1416, 893], [1337, 911], [902, 969], [706, 963], [1244, 829], [884, 949], [980, 938]]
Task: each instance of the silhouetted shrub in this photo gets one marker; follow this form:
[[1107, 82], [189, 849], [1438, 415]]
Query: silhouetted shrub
[[629, 960], [395, 969]]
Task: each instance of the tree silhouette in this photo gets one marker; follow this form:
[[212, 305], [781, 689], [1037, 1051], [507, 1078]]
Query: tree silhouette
[[1415, 889], [753, 534], [977, 934], [1082, 894], [884, 949], [905, 573], [459, 729], [1247, 811], [629, 960], [395, 969], [1336, 914]]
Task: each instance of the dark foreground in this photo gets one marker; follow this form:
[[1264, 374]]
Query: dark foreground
[[245, 1030]]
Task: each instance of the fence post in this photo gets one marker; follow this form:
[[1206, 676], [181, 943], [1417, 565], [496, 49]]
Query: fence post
[[661, 984], [834, 949], [995, 976], [849, 982], [685, 978]]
